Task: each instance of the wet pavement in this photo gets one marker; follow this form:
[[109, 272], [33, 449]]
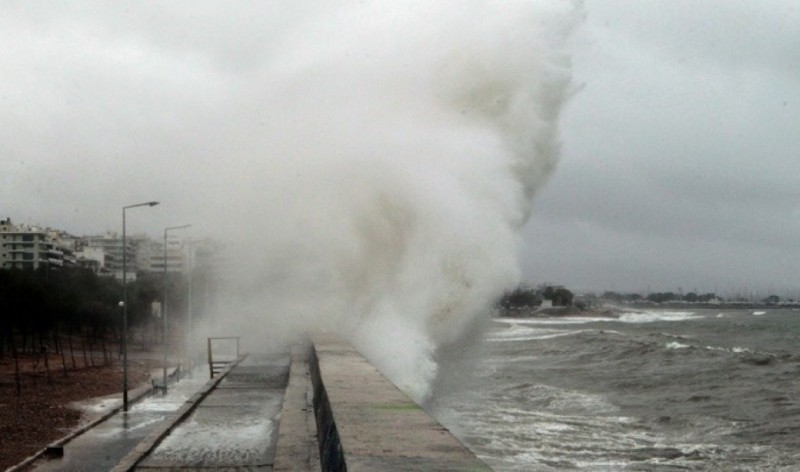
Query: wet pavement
[[234, 427], [265, 413], [103, 446]]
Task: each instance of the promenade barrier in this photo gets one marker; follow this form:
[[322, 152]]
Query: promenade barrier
[[365, 423]]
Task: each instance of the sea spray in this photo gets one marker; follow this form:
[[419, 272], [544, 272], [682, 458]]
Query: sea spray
[[402, 143]]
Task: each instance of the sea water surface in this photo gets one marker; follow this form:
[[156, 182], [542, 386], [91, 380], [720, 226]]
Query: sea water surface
[[651, 390]]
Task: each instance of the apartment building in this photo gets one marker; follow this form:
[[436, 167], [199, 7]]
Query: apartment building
[[29, 247]]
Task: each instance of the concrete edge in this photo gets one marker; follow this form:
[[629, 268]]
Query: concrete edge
[[444, 451], [297, 449], [136, 395], [330, 446], [146, 445]]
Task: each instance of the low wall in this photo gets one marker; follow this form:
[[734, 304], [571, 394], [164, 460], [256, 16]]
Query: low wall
[[366, 423]]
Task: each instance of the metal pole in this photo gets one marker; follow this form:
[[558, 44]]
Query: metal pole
[[187, 342], [124, 304], [164, 318], [124, 319]]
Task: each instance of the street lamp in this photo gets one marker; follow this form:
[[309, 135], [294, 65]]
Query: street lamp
[[165, 310], [124, 304], [187, 341]]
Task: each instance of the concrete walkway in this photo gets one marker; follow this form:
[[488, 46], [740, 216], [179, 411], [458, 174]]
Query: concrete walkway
[[322, 407], [104, 445], [234, 427]]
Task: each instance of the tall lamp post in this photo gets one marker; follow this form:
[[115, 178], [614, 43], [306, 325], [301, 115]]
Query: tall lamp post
[[165, 309], [125, 304], [187, 341]]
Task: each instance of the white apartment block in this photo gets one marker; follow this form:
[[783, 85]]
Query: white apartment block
[[142, 254], [30, 247], [176, 254]]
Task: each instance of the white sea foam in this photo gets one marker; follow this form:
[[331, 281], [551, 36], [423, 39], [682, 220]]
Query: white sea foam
[[653, 316], [735, 349], [518, 332], [402, 143], [759, 313], [571, 320]]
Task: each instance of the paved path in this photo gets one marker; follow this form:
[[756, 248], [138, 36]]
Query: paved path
[[234, 427], [103, 446], [262, 414]]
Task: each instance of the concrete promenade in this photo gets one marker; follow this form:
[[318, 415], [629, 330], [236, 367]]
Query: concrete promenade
[[321, 407], [113, 433], [365, 423]]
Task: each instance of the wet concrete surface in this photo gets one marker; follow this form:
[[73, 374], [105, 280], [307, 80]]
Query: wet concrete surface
[[257, 417], [366, 423], [298, 449], [234, 427], [103, 446]]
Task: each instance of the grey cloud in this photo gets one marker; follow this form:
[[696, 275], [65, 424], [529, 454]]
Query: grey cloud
[[680, 154]]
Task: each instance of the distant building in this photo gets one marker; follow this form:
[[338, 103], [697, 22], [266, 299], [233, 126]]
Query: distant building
[[176, 255], [105, 253], [30, 247], [107, 249], [143, 254], [93, 258]]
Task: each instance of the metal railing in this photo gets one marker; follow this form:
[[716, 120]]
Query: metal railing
[[218, 364]]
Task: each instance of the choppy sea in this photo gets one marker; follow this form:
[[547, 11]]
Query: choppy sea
[[648, 391]]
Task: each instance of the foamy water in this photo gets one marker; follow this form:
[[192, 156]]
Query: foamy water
[[673, 391]]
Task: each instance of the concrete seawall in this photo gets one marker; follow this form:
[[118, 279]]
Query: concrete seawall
[[365, 423]]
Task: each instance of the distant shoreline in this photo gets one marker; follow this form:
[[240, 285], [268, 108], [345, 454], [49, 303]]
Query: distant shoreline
[[555, 312], [715, 306], [614, 311]]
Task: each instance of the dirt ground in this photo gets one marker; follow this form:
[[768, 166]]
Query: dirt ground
[[40, 412]]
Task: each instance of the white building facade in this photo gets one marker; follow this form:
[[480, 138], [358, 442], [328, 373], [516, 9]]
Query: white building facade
[[28, 247]]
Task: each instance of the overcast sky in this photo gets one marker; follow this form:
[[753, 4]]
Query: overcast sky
[[681, 155], [681, 150]]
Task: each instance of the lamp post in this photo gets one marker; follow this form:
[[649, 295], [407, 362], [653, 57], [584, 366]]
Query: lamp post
[[165, 305], [124, 304], [187, 341]]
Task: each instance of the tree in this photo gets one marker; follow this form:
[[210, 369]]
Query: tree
[[706, 297], [632, 297], [661, 297], [560, 296], [520, 298]]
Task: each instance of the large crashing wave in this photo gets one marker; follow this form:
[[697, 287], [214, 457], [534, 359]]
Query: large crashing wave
[[403, 142]]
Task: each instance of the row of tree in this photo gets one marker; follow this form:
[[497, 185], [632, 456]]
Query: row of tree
[[690, 297], [659, 297], [526, 297], [56, 312]]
